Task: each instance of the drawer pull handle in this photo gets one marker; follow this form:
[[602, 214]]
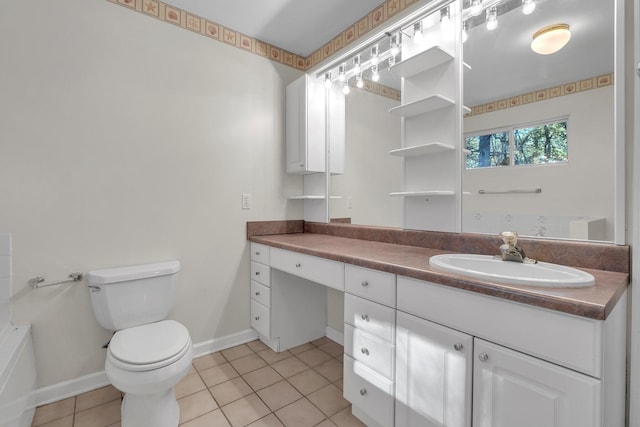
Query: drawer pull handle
[[365, 284], [365, 350], [257, 293], [363, 392], [365, 317], [298, 265], [458, 347], [257, 317], [483, 357]]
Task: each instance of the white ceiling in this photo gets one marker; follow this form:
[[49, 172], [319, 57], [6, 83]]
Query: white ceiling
[[299, 26]]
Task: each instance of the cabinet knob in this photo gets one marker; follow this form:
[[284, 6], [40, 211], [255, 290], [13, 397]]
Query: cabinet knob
[[298, 265], [458, 347], [257, 253], [364, 317], [257, 293], [257, 317], [365, 350], [363, 391], [257, 273], [483, 357], [365, 284]]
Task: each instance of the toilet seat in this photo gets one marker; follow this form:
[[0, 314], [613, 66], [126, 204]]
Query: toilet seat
[[149, 347]]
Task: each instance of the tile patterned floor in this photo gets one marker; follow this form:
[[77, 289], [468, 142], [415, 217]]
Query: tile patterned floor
[[247, 385]]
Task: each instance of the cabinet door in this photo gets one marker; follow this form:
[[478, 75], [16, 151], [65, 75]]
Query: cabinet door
[[433, 374], [513, 389]]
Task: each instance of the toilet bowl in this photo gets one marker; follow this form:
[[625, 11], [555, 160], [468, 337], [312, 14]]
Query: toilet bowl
[[147, 356]]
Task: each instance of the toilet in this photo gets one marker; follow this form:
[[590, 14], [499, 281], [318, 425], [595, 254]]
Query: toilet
[[148, 355]]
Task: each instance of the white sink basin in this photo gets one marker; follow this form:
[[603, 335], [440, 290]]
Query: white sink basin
[[489, 268]]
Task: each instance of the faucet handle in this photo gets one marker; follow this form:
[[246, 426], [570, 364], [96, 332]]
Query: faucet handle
[[509, 237]]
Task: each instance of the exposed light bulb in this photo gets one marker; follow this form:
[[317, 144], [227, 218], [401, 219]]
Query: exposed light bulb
[[418, 37], [341, 73], [375, 58], [359, 81], [492, 18], [445, 19], [392, 61], [476, 7], [375, 75], [327, 80], [395, 46], [356, 64], [528, 6], [345, 88], [465, 35]]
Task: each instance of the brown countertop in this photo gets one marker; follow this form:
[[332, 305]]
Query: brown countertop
[[594, 302]]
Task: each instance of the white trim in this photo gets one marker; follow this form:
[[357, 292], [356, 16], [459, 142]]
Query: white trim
[[76, 386], [336, 336], [619, 105]]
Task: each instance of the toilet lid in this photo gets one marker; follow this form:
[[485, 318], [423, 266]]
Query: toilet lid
[[150, 346]]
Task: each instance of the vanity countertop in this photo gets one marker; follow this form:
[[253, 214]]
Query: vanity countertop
[[594, 302]]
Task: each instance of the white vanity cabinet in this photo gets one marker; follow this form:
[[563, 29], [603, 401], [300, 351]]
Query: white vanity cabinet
[[307, 105], [369, 344], [530, 366]]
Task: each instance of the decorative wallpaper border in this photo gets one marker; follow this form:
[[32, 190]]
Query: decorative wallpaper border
[[543, 94], [188, 21]]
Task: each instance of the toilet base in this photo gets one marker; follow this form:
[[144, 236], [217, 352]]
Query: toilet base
[[150, 410]]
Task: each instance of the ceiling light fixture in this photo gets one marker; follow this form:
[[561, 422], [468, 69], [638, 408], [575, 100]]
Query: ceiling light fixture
[[375, 75], [445, 18], [550, 39], [492, 18], [356, 64], [395, 45], [528, 6], [327, 80], [345, 88], [375, 58], [476, 8], [418, 37], [465, 35]]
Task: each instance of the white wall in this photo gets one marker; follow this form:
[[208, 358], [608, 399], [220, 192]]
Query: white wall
[[582, 186], [5, 282], [125, 140]]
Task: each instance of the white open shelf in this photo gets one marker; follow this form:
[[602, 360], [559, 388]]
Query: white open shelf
[[423, 193], [422, 150], [421, 106], [423, 61]]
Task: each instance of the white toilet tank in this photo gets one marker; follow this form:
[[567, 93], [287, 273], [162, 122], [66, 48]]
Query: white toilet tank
[[131, 296]]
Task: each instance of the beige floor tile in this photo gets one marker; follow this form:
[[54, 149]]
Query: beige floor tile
[[301, 348], [237, 352], [231, 390], [97, 397], [313, 357], [192, 370], [262, 378], [320, 341], [212, 419], [271, 356], [289, 367], [326, 423], [308, 381], [218, 374], [268, 421], [340, 358], [339, 384], [99, 416], [344, 418], [248, 363], [189, 385], [209, 361], [279, 395], [196, 405], [332, 348], [329, 400], [60, 422], [257, 345], [245, 410], [331, 370], [115, 424], [54, 411], [300, 413]]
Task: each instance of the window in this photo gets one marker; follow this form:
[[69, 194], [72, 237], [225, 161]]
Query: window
[[541, 143]]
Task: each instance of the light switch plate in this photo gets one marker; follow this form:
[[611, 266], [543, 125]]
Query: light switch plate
[[246, 201]]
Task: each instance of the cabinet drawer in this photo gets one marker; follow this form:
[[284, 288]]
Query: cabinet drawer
[[374, 285], [372, 352], [261, 293], [260, 318], [371, 317], [532, 330], [324, 271], [260, 273], [370, 392], [260, 253]]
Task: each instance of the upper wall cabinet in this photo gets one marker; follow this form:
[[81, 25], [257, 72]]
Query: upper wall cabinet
[[315, 115]]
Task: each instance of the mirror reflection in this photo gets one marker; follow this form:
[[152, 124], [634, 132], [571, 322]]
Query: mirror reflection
[[540, 133]]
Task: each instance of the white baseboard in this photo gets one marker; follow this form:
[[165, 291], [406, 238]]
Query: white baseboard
[[336, 336], [80, 385]]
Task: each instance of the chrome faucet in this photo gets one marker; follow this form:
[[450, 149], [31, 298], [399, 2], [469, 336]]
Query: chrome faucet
[[510, 251]]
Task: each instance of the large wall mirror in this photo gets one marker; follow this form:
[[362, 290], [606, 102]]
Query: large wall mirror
[[525, 106]]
